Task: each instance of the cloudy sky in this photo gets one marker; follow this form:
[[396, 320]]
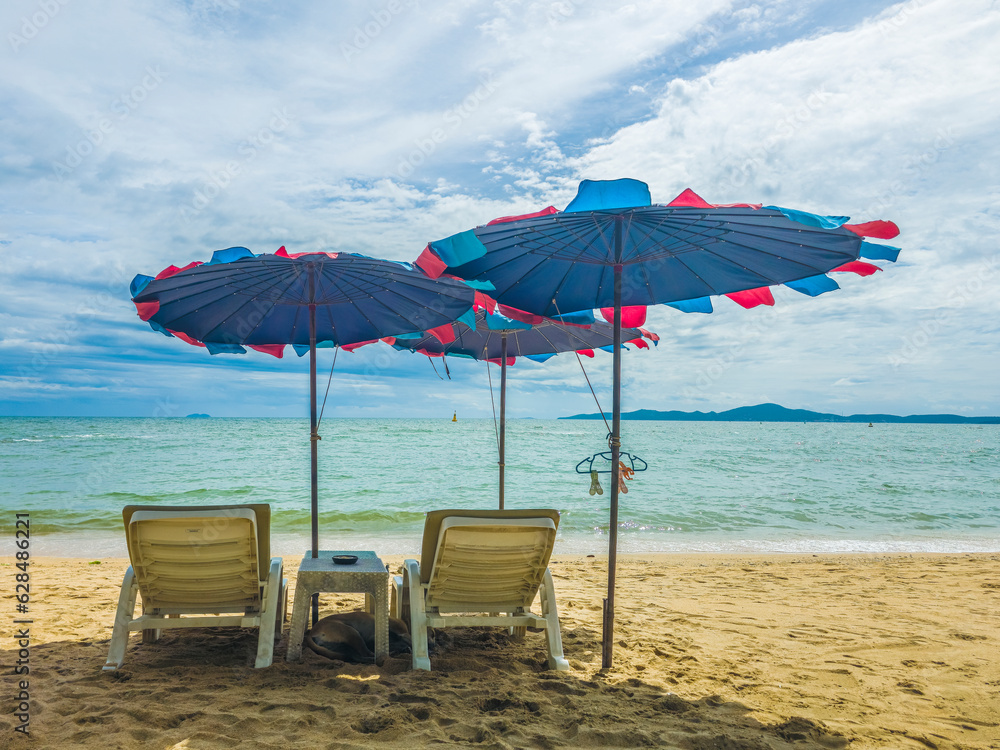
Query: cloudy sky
[[139, 134]]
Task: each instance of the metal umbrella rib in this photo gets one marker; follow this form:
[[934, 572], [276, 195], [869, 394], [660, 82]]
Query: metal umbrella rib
[[257, 299]]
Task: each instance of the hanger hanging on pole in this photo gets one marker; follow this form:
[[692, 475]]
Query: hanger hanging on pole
[[586, 466]]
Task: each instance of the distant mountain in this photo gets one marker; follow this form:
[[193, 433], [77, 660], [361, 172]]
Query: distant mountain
[[198, 416], [776, 413]]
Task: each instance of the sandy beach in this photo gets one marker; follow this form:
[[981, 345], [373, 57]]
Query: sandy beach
[[721, 652]]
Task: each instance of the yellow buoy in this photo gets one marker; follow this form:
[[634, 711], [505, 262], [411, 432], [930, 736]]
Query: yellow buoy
[[454, 417]]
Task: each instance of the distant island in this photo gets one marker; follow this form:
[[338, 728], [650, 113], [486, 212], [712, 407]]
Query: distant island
[[199, 416], [776, 413]]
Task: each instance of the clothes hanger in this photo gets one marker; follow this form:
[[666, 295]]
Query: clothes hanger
[[586, 466]]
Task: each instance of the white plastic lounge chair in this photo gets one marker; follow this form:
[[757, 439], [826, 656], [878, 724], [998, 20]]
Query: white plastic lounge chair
[[202, 561], [484, 567]]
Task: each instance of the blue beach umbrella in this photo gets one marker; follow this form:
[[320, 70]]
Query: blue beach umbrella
[[504, 334], [611, 248], [267, 301]]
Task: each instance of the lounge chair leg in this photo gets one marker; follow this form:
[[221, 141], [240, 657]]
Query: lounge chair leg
[[553, 635], [123, 616], [151, 635], [517, 632], [418, 617]]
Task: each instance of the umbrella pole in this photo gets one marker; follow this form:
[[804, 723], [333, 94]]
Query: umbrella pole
[[607, 642], [313, 447], [503, 410]]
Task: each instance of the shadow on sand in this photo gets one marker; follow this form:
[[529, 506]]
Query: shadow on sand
[[197, 689]]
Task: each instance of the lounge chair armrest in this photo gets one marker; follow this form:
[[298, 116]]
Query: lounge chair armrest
[[123, 617], [411, 573], [553, 634], [409, 584], [273, 578], [269, 612], [413, 594]]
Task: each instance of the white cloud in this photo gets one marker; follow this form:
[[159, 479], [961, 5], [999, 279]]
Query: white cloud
[[183, 128]]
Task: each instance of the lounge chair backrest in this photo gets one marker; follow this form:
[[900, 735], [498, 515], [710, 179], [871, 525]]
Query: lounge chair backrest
[[432, 528], [261, 511], [487, 563], [206, 559]]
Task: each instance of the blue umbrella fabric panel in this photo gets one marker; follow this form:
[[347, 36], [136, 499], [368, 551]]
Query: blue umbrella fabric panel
[[680, 254], [239, 299]]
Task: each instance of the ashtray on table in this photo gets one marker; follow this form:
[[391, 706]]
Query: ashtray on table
[[345, 559]]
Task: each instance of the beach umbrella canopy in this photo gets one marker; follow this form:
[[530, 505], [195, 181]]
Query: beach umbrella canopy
[[612, 249], [501, 334], [265, 302]]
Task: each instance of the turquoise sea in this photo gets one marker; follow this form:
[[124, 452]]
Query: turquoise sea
[[709, 486]]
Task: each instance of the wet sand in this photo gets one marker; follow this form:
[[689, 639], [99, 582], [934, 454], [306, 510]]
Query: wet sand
[[712, 652]]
